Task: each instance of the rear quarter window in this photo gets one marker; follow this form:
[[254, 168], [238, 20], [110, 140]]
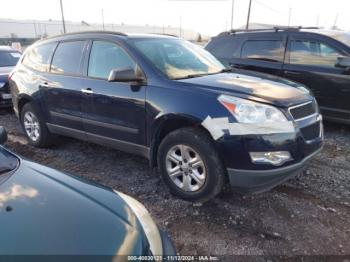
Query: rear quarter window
[[39, 57], [224, 48]]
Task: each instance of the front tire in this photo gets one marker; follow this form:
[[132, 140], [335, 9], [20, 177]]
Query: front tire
[[190, 165], [34, 126]]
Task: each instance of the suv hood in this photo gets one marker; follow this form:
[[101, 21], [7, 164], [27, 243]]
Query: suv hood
[[255, 86], [57, 214]]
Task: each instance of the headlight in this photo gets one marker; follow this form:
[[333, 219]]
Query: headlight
[[2, 84], [150, 228], [246, 111]]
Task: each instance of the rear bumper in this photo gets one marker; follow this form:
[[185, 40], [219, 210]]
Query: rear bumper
[[257, 181]]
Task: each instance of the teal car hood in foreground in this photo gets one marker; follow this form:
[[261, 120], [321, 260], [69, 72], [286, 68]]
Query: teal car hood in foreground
[[43, 211]]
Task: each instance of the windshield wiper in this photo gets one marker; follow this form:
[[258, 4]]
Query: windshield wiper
[[225, 70]]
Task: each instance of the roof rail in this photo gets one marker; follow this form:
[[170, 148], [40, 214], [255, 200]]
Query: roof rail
[[275, 28], [82, 32], [97, 31]]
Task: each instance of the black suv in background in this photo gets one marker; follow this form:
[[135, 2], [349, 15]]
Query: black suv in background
[[313, 57], [8, 59], [171, 101]]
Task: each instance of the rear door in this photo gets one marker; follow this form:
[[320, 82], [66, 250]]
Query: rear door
[[113, 112], [62, 89], [312, 62], [263, 53]]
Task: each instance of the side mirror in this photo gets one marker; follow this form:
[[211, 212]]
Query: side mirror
[[3, 135], [343, 62], [126, 75]]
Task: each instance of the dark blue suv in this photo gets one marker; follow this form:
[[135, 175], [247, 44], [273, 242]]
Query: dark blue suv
[[171, 102]]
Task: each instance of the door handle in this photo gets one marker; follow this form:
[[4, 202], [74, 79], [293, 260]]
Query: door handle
[[87, 91]]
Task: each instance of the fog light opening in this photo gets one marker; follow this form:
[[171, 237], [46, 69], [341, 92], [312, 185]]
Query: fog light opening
[[277, 158]]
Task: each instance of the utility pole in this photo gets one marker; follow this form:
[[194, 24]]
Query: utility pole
[[103, 20], [233, 5], [335, 21], [63, 22], [248, 16], [289, 16]]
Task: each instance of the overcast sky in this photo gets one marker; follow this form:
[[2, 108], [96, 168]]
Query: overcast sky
[[206, 16]]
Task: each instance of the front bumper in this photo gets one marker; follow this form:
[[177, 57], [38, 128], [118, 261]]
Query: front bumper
[[257, 181]]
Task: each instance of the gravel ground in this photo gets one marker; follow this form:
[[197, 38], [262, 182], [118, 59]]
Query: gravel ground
[[308, 215]]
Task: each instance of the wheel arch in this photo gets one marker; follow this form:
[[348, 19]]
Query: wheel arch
[[22, 100], [167, 124]]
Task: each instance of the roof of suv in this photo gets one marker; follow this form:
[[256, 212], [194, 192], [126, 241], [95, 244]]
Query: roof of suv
[[111, 33], [314, 30]]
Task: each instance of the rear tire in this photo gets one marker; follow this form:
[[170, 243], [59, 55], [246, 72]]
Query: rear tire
[[34, 126], [190, 165]]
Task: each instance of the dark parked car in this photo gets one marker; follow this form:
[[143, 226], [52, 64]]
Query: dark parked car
[[171, 101], [316, 58], [46, 212], [8, 60]]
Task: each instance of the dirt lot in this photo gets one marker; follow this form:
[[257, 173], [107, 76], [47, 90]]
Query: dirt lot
[[308, 215]]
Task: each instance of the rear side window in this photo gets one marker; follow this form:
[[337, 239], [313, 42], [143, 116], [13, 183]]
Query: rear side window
[[310, 52], [39, 57], [267, 50], [224, 48], [106, 56], [67, 58]]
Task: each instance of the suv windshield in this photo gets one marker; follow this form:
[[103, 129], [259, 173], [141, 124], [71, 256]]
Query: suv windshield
[[177, 58], [8, 162], [9, 58]]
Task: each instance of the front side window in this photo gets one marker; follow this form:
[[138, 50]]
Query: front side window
[[106, 56], [9, 58], [310, 52], [177, 58], [39, 57], [67, 58], [266, 50]]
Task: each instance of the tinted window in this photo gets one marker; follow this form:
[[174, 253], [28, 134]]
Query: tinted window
[[106, 56], [309, 52], [223, 48], [39, 57], [268, 50], [67, 58], [9, 58]]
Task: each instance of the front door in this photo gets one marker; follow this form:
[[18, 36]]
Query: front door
[[113, 112], [312, 62]]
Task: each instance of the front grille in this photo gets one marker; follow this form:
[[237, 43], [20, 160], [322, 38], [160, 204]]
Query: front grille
[[312, 131], [304, 110]]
